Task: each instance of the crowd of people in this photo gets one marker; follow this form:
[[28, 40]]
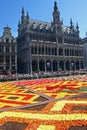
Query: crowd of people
[[61, 75]]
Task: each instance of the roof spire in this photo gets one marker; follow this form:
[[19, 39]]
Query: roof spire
[[56, 13], [22, 10], [55, 6], [77, 27], [27, 15], [23, 16], [71, 24]]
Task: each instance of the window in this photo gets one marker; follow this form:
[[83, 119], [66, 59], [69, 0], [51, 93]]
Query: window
[[7, 40], [13, 48], [55, 51], [32, 50], [13, 59], [60, 40], [7, 59], [7, 48], [7, 68], [1, 59], [1, 48], [35, 50], [13, 67], [2, 40], [12, 40]]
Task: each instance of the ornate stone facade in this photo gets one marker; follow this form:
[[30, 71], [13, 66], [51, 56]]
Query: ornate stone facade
[[44, 46], [8, 52], [84, 44]]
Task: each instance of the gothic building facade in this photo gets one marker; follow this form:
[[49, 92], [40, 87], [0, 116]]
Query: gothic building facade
[[8, 52], [84, 44], [44, 46]]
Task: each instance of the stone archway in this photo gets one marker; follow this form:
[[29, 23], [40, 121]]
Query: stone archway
[[72, 65], [48, 65], [41, 65], [34, 65], [82, 65], [77, 65], [61, 65], [55, 66], [67, 65], [60, 51], [67, 52]]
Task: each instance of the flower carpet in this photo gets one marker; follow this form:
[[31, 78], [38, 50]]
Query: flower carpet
[[13, 96], [55, 88], [43, 104]]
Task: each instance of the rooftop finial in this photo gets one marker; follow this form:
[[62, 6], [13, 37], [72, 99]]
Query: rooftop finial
[[27, 15], [77, 27], [71, 23]]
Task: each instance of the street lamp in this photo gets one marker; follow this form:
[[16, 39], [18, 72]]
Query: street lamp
[[72, 66], [48, 65]]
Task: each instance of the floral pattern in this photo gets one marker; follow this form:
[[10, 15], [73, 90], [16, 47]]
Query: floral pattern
[[66, 108]]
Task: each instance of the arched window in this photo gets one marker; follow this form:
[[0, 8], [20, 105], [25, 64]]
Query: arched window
[[59, 40]]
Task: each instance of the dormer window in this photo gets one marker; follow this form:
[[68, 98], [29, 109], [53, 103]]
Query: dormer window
[[2, 40], [7, 40], [12, 40]]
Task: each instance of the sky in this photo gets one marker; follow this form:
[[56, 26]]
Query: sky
[[10, 13]]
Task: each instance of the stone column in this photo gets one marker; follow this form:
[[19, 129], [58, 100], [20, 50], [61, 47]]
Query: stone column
[[70, 65], [44, 49], [37, 49], [69, 51], [11, 61], [58, 65], [51, 66], [16, 62], [41, 49], [64, 66], [57, 46], [45, 66], [50, 50], [30, 66]]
